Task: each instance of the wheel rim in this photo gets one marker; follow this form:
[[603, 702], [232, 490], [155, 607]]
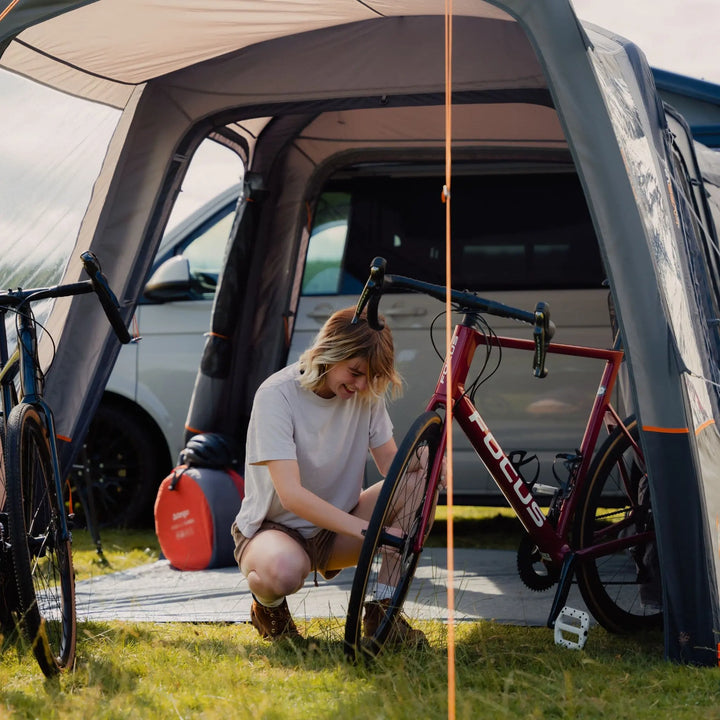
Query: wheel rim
[[408, 493], [623, 589], [117, 474], [43, 560]]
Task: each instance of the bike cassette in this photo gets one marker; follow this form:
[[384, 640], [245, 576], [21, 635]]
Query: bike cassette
[[532, 569]]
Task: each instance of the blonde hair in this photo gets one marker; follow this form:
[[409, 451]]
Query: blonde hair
[[340, 340]]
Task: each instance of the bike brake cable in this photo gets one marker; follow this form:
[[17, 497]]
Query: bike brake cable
[[37, 324]]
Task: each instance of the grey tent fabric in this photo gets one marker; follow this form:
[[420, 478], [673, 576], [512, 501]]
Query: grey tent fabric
[[270, 78]]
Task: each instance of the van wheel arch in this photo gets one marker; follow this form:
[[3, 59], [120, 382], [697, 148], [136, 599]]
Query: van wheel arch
[[127, 458]]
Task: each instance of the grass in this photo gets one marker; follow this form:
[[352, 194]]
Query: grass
[[121, 550], [185, 670], [495, 528]]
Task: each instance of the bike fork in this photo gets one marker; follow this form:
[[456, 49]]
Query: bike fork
[[50, 424]]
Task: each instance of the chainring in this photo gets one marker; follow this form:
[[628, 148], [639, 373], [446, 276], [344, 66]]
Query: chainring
[[533, 571]]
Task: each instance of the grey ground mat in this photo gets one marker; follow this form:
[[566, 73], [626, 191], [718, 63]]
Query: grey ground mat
[[485, 581]]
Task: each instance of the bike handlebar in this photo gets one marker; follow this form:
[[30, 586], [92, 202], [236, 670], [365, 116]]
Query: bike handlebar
[[379, 281], [106, 296]]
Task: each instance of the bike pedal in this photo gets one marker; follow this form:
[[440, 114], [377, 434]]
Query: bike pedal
[[571, 628]]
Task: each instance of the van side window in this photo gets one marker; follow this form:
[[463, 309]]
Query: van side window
[[206, 250], [326, 248]]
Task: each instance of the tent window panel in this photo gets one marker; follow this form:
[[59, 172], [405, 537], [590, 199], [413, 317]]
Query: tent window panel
[[52, 146]]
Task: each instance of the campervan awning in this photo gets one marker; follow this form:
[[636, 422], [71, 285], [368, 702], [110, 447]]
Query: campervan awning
[[149, 79]]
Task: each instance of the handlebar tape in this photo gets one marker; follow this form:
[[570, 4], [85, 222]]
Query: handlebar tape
[[106, 296], [371, 294]]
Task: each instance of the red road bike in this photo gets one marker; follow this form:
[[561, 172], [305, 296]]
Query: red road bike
[[598, 526]]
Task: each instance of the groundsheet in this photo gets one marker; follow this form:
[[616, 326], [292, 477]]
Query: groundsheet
[[486, 586]]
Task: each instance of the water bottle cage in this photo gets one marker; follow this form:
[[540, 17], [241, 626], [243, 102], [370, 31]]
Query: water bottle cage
[[571, 462], [519, 459]]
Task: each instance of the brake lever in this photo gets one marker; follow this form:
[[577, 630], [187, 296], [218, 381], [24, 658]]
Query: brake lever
[[542, 334], [370, 295]]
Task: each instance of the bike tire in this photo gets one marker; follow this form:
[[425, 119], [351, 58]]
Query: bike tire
[[42, 558], [8, 587], [621, 589], [405, 490]]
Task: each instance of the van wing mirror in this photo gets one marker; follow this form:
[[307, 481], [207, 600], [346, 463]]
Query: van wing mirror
[[171, 281]]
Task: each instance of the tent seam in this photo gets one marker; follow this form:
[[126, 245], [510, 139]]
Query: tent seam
[[76, 67]]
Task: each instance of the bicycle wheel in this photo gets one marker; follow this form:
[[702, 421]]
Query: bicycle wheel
[[388, 561], [8, 588], [42, 557], [622, 589]]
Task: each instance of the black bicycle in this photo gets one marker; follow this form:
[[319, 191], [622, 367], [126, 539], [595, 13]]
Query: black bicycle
[[38, 581]]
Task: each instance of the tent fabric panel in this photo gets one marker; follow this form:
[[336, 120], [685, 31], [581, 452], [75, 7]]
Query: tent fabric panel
[[144, 39], [503, 125], [383, 58], [691, 628], [118, 228], [693, 195], [26, 61]]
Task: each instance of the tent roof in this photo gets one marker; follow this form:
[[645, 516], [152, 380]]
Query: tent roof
[[134, 41]]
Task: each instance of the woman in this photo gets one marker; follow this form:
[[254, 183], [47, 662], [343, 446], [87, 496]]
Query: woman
[[310, 430]]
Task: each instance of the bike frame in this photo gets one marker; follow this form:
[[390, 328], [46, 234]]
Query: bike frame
[[23, 361], [551, 540]]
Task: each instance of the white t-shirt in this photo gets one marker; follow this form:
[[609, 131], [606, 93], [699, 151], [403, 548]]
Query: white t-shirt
[[329, 438]]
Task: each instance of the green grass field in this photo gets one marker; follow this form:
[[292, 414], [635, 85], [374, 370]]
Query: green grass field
[[185, 670]]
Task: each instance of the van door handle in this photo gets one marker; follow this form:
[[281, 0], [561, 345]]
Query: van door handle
[[403, 312], [322, 312]]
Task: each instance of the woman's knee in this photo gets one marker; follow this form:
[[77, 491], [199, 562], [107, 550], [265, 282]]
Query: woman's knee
[[286, 574], [279, 568]]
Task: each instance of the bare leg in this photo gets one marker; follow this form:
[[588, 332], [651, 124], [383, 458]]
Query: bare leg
[[275, 565], [346, 550]]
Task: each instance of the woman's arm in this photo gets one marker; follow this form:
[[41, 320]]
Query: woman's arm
[[296, 499], [383, 456]]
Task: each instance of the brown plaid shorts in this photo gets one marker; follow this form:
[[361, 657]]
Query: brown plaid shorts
[[318, 547]]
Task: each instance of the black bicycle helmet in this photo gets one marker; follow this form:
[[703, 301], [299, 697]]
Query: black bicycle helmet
[[210, 450]]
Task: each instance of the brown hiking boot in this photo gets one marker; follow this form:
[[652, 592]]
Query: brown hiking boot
[[274, 623], [400, 631]]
